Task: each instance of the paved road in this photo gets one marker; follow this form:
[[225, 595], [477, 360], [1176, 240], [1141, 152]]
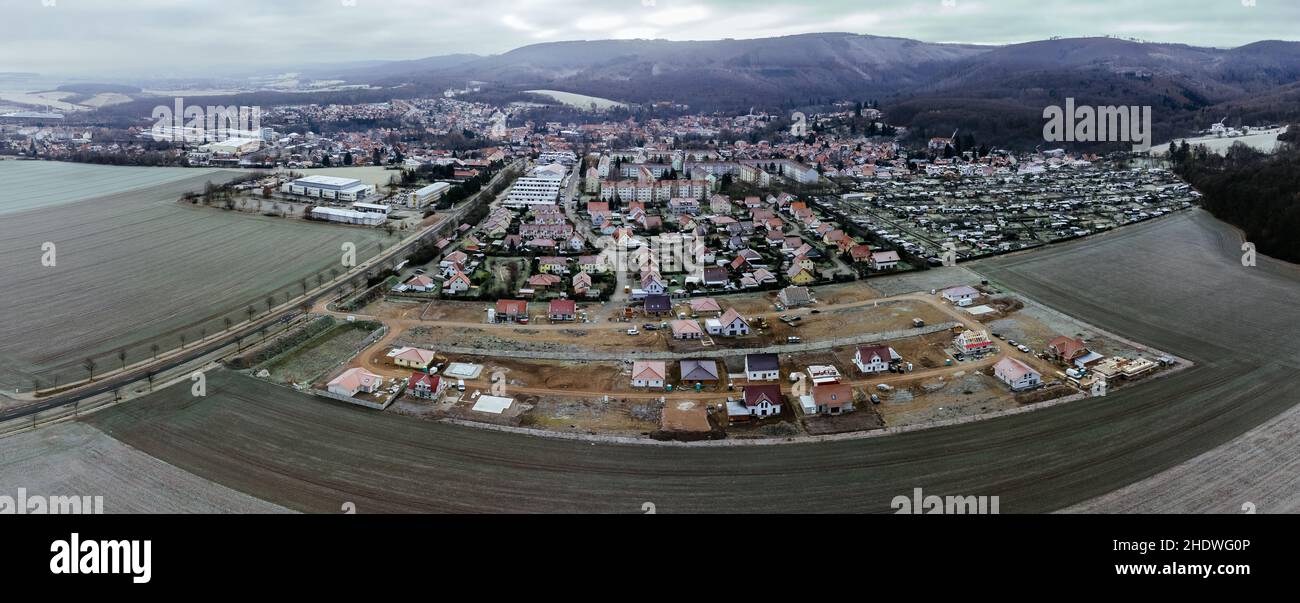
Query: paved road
[[1175, 283]]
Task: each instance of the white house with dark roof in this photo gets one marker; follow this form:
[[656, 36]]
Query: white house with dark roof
[[762, 367]]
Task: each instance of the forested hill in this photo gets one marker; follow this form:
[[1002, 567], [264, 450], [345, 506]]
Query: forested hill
[[1255, 191]]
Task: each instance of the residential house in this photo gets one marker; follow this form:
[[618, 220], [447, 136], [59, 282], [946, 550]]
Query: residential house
[[553, 265], [562, 310], [543, 281], [592, 264], [1066, 349], [649, 373], [653, 284], [354, 381], [1016, 374], [884, 260], [686, 329], [798, 275], [699, 371], [424, 385], [731, 324], [758, 401], [762, 367], [511, 309], [833, 398], [763, 277], [961, 296], [875, 358], [422, 283], [658, 304], [458, 282], [415, 358], [705, 305], [716, 276], [793, 297], [582, 284], [456, 258]]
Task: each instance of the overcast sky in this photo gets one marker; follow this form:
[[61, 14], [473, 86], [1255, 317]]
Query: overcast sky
[[188, 37]]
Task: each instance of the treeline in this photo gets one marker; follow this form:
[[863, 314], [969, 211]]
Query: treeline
[[1255, 191], [148, 158]]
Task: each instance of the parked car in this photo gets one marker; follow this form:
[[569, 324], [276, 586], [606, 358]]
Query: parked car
[[1023, 348], [793, 339], [633, 331]]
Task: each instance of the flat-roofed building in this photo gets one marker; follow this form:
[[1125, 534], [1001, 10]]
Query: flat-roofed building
[[235, 146], [540, 187], [428, 194], [347, 216], [374, 208], [329, 187]]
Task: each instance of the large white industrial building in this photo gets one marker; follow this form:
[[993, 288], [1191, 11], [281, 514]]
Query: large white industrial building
[[329, 187], [540, 187], [234, 146], [348, 216]]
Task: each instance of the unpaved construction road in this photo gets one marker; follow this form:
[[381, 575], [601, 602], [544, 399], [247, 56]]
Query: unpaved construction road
[[1174, 283]]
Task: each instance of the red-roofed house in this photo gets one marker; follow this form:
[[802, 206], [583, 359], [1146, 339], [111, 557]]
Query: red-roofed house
[[562, 310], [686, 329], [424, 385], [649, 373], [1066, 349], [457, 283], [759, 401], [512, 309], [833, 398]]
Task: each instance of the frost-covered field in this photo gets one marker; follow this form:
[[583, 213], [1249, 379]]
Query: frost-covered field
[[579, 101], [136, 268], [34, 184]]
